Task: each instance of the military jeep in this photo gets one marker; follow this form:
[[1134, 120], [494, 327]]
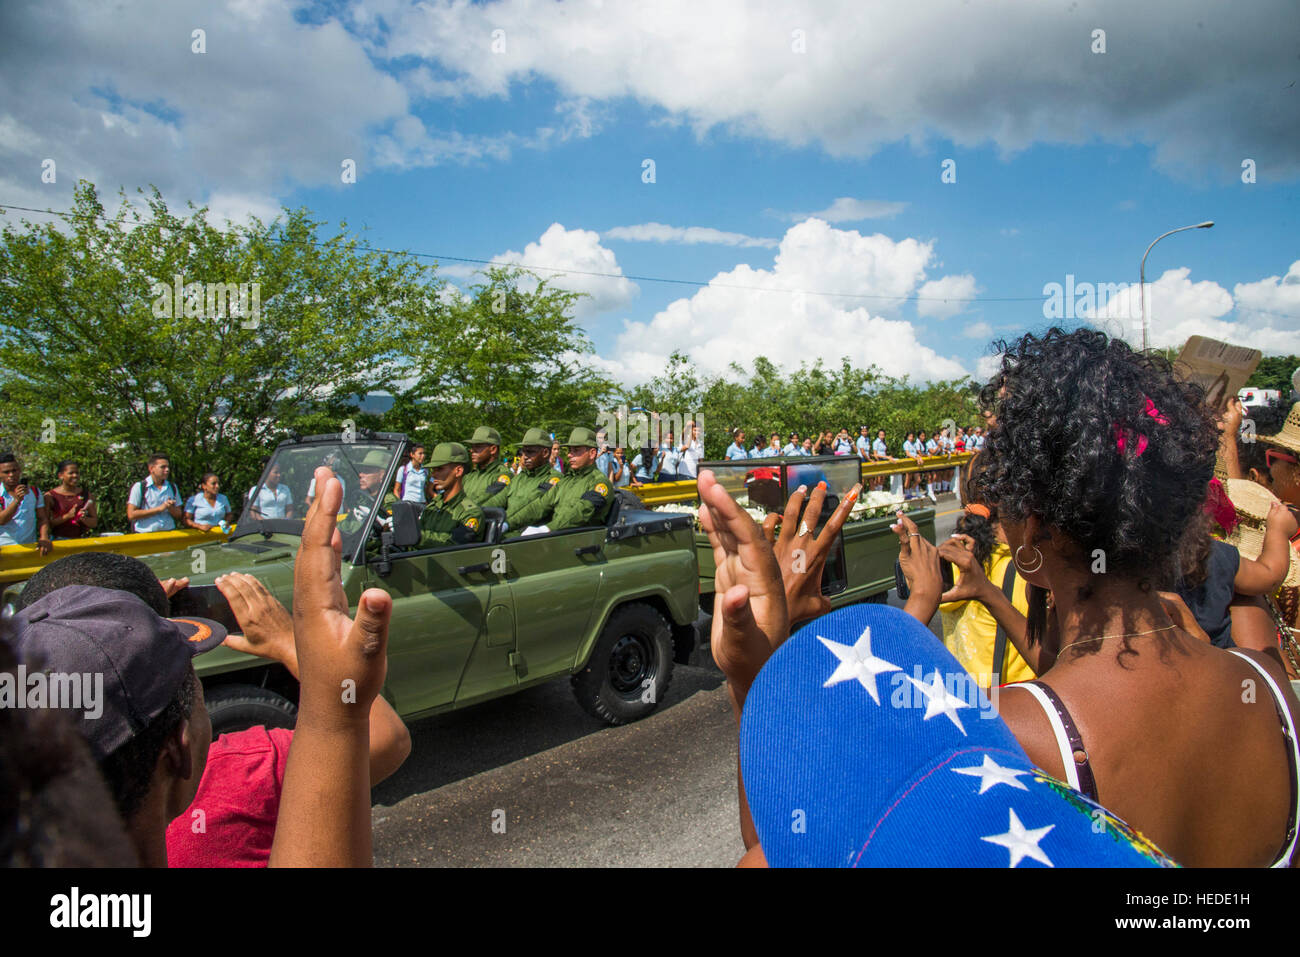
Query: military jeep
[[612, 606]]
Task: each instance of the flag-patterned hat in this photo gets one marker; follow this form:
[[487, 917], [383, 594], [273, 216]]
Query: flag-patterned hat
[[865, 744]]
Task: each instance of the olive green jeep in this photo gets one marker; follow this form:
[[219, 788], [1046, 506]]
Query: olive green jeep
[[612, 606]]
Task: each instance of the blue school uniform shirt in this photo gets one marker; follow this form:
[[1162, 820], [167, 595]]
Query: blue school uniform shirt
[[670, 458], [638, 463], [271, 502], [735, 451], [879, 447], [144, 494], [413, 483], [909, 448], [208, 514], [21, 529], [863, 444]]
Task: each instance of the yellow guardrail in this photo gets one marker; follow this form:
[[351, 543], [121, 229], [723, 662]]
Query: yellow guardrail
[[666, 493], [20, 562]]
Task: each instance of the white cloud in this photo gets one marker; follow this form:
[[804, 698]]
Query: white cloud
[[977, 330], [578, 250], [747, 311], [687, 235], [871, 76], [1273, 298], [986, 367], [943, 298], [846, 209], [1178, 308]]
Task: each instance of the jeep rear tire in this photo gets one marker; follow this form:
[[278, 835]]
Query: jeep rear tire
[[239, 707], [630, 666]]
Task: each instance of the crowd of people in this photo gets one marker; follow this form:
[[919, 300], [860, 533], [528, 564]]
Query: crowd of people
[[1130, 614], [1126, 607]]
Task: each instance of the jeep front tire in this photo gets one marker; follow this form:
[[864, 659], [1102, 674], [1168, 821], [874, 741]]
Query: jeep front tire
[[239, 707], [629, 669]]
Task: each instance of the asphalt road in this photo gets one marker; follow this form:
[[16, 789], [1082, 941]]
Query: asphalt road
[[532, 780]]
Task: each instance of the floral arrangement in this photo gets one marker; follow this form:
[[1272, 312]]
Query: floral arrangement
[[870, 505]]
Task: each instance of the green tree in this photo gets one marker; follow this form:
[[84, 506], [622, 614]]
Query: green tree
[[102, 360], [507, 354], [1274, 372]]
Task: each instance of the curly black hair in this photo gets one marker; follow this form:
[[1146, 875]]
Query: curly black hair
[[980, 529], [1063, 401]]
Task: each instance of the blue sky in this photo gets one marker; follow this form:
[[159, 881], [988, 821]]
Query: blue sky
[[826, 160]]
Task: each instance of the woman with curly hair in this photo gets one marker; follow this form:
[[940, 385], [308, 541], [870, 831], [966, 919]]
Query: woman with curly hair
[[1097, 462]]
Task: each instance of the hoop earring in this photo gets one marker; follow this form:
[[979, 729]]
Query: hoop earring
[[1028, 571]]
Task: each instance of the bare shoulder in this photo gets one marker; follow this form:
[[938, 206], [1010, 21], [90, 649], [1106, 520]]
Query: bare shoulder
[[1027, 721]]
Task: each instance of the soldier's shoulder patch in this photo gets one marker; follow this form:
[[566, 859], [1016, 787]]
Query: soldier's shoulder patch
[[554, 479], [471, 522], [602, 488], [504, 479]]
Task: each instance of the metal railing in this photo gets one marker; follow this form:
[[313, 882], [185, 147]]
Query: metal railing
[[21, 562]]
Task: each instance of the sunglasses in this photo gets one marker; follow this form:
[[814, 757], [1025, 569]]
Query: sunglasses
[[1273, 455]]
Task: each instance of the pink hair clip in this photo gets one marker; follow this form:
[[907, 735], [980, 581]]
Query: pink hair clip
[[1140, 442]]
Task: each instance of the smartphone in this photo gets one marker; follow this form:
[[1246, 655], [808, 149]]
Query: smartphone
[[205, 601], [900, 580]]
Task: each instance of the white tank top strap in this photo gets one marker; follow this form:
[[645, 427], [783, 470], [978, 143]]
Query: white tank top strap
[[1293, 745], [1058, 728]]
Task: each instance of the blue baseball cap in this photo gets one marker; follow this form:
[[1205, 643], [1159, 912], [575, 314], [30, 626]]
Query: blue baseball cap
[[864, 743]]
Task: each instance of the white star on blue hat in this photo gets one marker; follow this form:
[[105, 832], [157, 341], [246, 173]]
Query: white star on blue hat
[[940, 701], [857, 661], [1022, 843], [991, 774]]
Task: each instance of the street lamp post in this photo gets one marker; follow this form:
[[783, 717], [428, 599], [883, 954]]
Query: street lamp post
[[1142, 275]]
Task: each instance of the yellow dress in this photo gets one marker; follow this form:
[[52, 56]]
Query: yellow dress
[[970, 630]]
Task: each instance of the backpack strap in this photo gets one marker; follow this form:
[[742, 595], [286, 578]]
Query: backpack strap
[[1000, 642]]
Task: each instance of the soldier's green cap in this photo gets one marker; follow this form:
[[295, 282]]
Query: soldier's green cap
[[375, 459], [582, 438], [536, 437], [448, 453], [484, 435]]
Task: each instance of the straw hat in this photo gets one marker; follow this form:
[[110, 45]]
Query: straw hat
[[1252, 502], [1289, 435]]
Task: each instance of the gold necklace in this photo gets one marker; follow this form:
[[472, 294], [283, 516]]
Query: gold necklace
[[1136, 634]]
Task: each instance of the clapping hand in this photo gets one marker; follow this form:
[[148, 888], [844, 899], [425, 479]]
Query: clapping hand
[[801, 557]]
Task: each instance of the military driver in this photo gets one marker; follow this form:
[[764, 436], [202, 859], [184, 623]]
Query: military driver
[[536, 477], [370, 476], [451, 518], [581, 497], [487, 484]]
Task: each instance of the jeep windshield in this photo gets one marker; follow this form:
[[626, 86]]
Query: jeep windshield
[[279, 502]]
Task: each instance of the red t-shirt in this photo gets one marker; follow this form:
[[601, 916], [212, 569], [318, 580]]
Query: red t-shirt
[[239, 797], [62, 505]]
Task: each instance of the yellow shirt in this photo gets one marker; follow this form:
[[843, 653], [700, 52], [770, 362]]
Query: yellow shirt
[[970, 630]]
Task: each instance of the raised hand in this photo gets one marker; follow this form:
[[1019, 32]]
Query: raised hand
[[802, 557], [343, 662], [919, 560], [750, 616], [971, 580], [267, 625]]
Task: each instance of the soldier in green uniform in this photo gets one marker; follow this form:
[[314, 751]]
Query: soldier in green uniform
[[370, 476], [535, 479], [451, 518], [487, 484], [581, 497]]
